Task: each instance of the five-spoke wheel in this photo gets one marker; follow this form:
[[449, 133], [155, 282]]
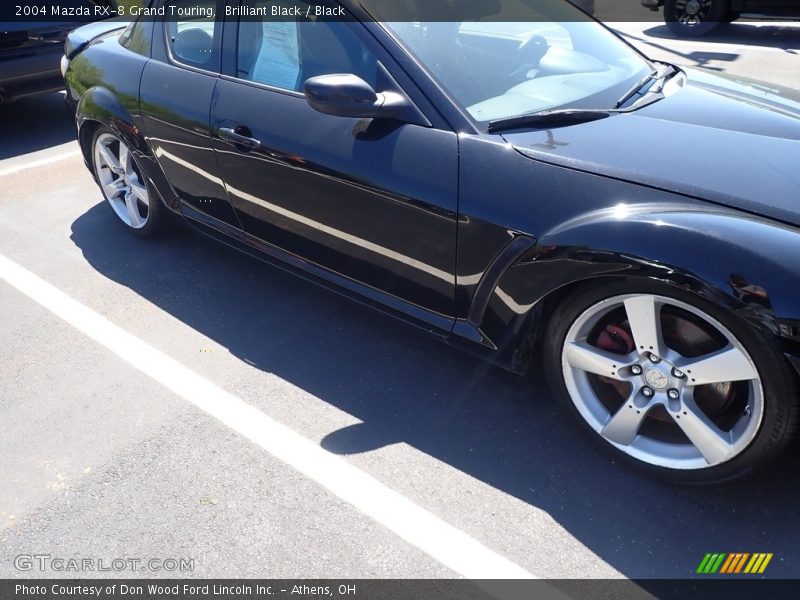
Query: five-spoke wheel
[[124, 185], [664, 379]]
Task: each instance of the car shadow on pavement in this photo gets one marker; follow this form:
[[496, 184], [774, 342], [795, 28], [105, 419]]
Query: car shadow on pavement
[[33, 124], [786, 38], [407, 387]]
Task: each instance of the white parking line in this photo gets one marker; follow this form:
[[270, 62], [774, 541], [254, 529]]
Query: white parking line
[[40, 163], [450, 546]]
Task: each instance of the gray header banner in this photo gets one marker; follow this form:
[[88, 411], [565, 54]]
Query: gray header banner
[[60, 11]]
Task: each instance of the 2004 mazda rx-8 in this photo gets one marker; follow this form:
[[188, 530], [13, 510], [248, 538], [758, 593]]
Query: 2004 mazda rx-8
[[508, 174]]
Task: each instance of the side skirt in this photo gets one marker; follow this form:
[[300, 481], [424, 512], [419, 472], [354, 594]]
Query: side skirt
[[433, 323]]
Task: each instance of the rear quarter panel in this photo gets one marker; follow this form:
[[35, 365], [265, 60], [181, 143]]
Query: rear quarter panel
[[104, 81]]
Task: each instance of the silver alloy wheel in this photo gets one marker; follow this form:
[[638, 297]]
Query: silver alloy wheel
[[658, 377], [120, 180]]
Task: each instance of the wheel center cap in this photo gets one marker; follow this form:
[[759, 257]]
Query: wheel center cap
[[656, 379], [692, 7]]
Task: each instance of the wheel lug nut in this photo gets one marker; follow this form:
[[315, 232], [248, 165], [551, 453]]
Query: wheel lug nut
[[647, 392], [654, 358], [677, 373], [673, 394], [636, 370]]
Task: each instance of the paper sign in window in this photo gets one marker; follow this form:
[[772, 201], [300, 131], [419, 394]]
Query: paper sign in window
[[278, 62]]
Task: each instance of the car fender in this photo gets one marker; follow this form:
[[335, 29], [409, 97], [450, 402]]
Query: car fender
[[716, 253], [100, 106]]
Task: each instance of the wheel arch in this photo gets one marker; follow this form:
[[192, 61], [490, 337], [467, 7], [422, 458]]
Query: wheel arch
[[86, 131], [100, 107], [710, 253]]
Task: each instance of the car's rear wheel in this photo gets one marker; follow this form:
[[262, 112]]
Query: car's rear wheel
[[124, 185], [671, 382], [693, 18]]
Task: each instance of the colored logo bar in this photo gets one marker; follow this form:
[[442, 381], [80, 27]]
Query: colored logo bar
[[731, 563]]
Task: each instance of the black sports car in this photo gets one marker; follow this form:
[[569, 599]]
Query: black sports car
[[533, 190]]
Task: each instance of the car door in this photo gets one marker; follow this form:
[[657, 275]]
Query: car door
[[175, 99], [368, 202]]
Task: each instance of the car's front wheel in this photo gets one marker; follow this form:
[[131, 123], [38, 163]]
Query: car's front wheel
[[693, 18], [124, 185], [671, 382]]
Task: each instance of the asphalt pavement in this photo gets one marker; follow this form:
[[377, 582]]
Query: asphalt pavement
[[104, 457]]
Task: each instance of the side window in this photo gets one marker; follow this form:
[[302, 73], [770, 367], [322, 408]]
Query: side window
[[195, 40], [284, 54], [137, 37]]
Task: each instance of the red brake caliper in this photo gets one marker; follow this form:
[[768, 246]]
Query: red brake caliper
[[615, 339]]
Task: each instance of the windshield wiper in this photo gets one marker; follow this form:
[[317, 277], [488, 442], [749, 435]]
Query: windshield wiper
[[572, 116], [659, 75], [566, 116]]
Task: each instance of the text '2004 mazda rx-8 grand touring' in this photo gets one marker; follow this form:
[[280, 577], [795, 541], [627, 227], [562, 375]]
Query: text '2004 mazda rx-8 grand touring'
[[507, 174]]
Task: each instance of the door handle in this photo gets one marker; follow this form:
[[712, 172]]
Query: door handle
[[231, 135]]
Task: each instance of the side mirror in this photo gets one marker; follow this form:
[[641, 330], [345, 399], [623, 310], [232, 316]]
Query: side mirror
[[347, 95]]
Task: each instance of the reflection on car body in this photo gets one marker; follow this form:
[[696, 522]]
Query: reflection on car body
[[493, 184]]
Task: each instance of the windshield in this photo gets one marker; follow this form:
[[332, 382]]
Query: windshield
[[551, 56]]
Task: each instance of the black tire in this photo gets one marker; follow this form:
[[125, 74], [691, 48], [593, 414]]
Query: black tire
[[732, 16], [704, 21], [781, 396], [159, 220]]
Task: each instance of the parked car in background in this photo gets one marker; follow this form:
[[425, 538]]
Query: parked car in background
[[694, 18], [31, 52], [492, 183], [584, 5]]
